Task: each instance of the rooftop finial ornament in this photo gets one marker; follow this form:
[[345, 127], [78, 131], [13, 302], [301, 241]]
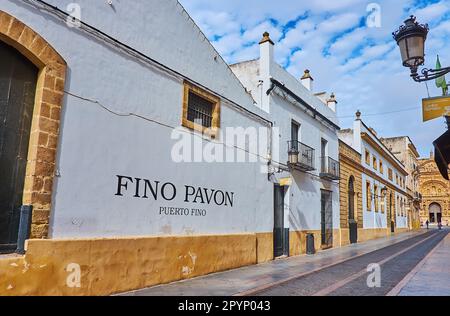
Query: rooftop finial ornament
[[358, 115], [307, 74], [266, 38]]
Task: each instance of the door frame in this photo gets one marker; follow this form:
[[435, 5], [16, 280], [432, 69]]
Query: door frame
[[392, 222], [45, 125], [352, 223], [325, 230], [283, 236], [436, 215], [20, 76]]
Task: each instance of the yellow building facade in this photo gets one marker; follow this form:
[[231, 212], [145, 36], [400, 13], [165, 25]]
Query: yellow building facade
[[349, 186], [373, 193]]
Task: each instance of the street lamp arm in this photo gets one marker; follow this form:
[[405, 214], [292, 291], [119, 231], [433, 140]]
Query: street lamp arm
[[429, 74]]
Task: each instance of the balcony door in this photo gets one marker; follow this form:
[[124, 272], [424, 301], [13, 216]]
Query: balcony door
[[17, 91], [324, 154], [295, 130]]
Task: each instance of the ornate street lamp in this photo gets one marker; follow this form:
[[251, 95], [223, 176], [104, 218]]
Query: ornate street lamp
[[411, 39]]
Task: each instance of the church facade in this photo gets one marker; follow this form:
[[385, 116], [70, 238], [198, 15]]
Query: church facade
[[435, 192]]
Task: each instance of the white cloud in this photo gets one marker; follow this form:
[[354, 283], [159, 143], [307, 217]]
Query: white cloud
[[363, 64], [432, 12], [347, 43], [339, 23]]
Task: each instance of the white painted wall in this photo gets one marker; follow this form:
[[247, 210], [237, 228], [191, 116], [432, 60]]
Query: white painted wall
[[305, 191], [305, 194], [95, 145], [378, 219]]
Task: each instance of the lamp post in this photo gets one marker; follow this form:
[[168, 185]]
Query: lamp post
[[411, 38]]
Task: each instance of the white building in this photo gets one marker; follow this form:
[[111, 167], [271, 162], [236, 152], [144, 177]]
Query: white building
[[112, 97], [384, 195], [306, 191]]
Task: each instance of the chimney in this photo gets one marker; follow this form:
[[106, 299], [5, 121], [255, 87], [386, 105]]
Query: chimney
[[307, 80], [266, 63], [331, 102]]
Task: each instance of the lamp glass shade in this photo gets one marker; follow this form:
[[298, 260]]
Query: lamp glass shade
[[412, 50], [411, 39]]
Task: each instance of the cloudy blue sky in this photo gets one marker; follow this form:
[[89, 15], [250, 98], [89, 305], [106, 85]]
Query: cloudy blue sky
[[331, 38]]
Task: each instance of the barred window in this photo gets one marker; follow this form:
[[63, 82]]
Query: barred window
[[367, 157], [376, 196], [368, 196], [201, 110]]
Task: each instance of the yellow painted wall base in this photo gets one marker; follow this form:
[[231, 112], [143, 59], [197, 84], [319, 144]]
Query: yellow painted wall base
[[264, 247], [117, 265], [374, 233], [297, 241], [110, 266]]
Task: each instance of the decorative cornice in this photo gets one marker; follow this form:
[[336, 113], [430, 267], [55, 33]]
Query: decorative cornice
[[384, 153]]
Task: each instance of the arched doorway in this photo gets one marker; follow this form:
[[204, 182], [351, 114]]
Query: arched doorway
[[45, 120], [18, 77], [435, 213], [353, 225]]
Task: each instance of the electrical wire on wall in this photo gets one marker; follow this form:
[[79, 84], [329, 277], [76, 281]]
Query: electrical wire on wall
[[131, 114], [138, 55], [142, 58]]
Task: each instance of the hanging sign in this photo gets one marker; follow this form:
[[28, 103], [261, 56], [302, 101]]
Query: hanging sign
[[435, 107], [284, 182]]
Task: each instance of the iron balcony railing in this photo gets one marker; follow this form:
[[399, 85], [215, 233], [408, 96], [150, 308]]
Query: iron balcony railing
[[417, 196], [301, 156], [329, 168]]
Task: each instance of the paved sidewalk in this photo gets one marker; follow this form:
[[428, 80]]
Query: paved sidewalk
[[244, 279], [433, 277]]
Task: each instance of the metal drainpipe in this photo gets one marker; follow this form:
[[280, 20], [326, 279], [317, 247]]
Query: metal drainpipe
[[26, 212]]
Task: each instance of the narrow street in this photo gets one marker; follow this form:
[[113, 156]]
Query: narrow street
[[350, 277], [409, 265]]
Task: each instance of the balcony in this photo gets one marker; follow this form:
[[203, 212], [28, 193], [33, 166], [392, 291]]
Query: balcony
[[329, 168], [301, 156]]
